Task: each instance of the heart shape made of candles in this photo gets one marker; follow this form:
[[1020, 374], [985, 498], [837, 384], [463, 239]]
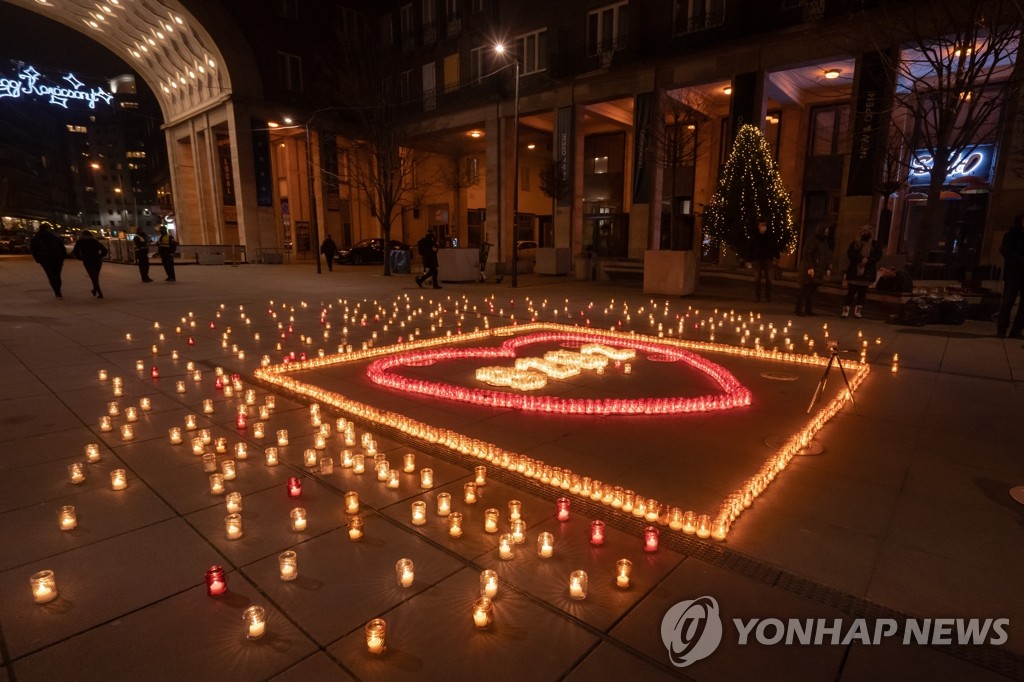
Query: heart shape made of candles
[[731, 394]]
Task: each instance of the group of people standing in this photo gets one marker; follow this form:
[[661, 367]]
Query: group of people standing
[[48, 250]]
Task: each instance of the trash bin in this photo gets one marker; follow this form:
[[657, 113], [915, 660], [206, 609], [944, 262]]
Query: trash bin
[[400, 261]]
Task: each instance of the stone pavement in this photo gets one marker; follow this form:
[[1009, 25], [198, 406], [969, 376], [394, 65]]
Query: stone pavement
[[905, 513]]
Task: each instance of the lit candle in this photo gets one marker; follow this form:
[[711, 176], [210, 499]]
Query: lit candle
[[488, 583], [264, 412], [319, 442], [481, 475], [145, 404], [198, 448], [563, 509], [597, 532], [103, 375], [288, 562], [270, 401], [358, 464], [118, 479], [326, 466], [703, 526], [113, 408], [393, 480], [545, 545], [76, 472], [44, 586], [294, 486], [234, 502], [383, 467], [623, 571], [207, 406], [282, 437], [518, 531], [469, 492], [259, 430], [352, 502], [179, 386], [444, 504], [233, 526], [675, 519], [578, 585], [491, 521], [241, 451], [419, 513], [105, 423], [409, 463], [255, 622], [131, 414], [298, 516], [217, 484], [67, 518], [505, 547], [241, 421], [92, 452], [355, 528], [310, 458], [216, 583], [455, 525], [271, 456], [376, 633], [426, 478], [190, 422], [404, 572], [515, 510], [482, 613], [650, 539]]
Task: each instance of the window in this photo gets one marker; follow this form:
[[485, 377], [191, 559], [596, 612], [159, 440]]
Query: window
[[453, 17], [697, 15], [405, 86], [429, 87], [429, 22], [532, 50], [76, 129], [607, 29], [829, 127], [476, 64], [387, 31], [405, 21], [472, 171], [290, 71], [135, 155], [451, 72]]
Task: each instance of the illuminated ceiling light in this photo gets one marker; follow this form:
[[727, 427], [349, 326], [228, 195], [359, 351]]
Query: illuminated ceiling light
[[143, 48], [182, 80], [691, 126], [98, 15], [727, 90], [288, 120], [105, 9], [475, 134], [178, 21], [174, 85], [832, 74], [160, 36], [212, 64], [272, 124], [531, 146], [191, 74], [151, 42], [91, 23], [166, 89], [42, 2]]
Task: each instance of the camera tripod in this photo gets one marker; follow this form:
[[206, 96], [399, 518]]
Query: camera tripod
[[833, 358]]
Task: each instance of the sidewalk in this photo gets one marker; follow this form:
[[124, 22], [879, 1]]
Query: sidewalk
[[906, 512]]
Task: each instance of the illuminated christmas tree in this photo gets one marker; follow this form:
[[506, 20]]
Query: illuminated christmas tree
[[750, 190]]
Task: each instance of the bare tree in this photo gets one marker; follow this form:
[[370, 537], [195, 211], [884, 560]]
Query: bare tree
[[675, 147], [951, 77]]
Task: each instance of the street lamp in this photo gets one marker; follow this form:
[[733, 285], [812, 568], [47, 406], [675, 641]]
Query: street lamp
[[500, 49]]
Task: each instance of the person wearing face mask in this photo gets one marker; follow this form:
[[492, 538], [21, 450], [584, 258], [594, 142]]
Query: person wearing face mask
[[863, 254]]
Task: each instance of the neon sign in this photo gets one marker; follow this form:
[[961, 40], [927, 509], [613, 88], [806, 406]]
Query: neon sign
[[29, 84], [977, 163]]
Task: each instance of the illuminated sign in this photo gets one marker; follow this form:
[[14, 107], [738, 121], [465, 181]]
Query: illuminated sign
[[975, 162], [29, 83]]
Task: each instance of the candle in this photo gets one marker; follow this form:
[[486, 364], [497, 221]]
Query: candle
[[355, 528], [623, 571], [505, 547], [703, 526], [482, 613], [197, 446], [67, 518], [76, 472], [289, 564], [241, 451], [469, 492], [131, 414], [282, 437], [217, 484], [190, 422], [376, 634], [404, 572], [326, 466], [578, 585], [298, 517], [358, 464], [207, 406], [145, 404], [271, 457], [227, 467], [264, 412], [545, 545], [259, 430], [383, 467], [481, 475], [597, 532], [44, 586], [455, 525], [179, 386], [352, 502], [233, 526], [103, 375], [393, 480], [234, 502], [491, 521], [563, 509], [216, 583], [105, 423], [319, 442], [270, 401], [346, 459], [409, 463], [444, 504], [419, 513], [488, 583], [118, 479], [675, 519], [240, 421], [254, 619], [294, 486], [650, 539], [310, 458], [518, 531], [426, 478], [515, 510]]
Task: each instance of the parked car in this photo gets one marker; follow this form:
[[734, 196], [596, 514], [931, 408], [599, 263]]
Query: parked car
[[526, 250], [369, 251]]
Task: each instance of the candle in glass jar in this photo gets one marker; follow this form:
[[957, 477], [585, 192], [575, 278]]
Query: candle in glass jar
[[190, 422], [419, 513], [105, 423], [597, 532], [703, 526], [355, 528], [145, 404], [76, 472], [92, 452], [623, 571], [66, 518], [103, 375], [488, 583], [518, 529], [216, 583], [288, 563], [358, 464], [207, 406], [44, 586], [383, 467], [444, 504], [233, 526], [346, 459], [491, 521], [409, 463], [298, 517], [294, 486], [197, 446], [179, 386], [426, 478], [113, 408], [271, 456], [545, 545], [259, 430], [563, 508], [118, 479], [264, 412], [650, 539], [376, 633], [505, 547], [241, 451], [482, 613], [326, 466], [254, 621], [310, 458], [319, 442], [282, 437], [480, 474], [118, 387], [515, 510], [131, 414], [469, 492], [455, 525], [270, 401], [234, 502], [221, 445], [217, 484], [352, 502], [404, 572], [578, 585]]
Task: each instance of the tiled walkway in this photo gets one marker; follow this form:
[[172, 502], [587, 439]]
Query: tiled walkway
[[906, 511]]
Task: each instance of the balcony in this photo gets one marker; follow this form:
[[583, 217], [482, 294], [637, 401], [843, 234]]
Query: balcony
[[429, 34], [454, 26]]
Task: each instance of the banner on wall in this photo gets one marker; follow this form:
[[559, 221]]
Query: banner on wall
[[261, 163], [563, 155], [227, 174], [643, 107], [870, 123]]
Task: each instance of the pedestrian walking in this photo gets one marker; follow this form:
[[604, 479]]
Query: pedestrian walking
[[1012, 251], [761, 256], [141, 243], [427, 247], [329, 249], [48, 250], [91, 252], [863, 254], [813, 269], [167, 246]]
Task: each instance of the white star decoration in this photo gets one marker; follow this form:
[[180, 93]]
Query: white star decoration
[[75, 83]]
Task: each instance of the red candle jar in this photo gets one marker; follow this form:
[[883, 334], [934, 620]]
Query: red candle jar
[[154, 372], [563, 508], [650, 539], [240, 421], [597, 532], [218, 384], [191, 341], [294, 486], [216, 583]]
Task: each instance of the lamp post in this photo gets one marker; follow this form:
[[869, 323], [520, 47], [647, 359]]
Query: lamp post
[[315, 232], [500, 49]]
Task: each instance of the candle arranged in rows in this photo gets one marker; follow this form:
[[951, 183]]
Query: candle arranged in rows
[[483, 613]]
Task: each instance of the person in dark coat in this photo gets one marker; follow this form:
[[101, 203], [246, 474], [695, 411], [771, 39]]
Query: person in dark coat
[[761, 255], [48, 250], [330, 250], [863, 254], [141, 243], [813, 269], [167, 246], [1012, 251], [427, 248], [91, 252]]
